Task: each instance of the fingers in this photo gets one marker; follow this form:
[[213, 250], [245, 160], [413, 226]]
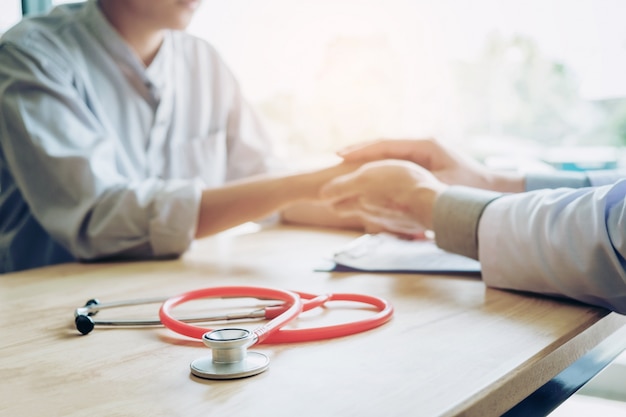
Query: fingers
[[376, 217], [396, 223], [415, 150], [381, 149], [371, 227], [358, 151]]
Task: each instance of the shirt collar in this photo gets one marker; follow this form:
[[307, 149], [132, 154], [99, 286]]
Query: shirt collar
[[157, 72], [98, 24]]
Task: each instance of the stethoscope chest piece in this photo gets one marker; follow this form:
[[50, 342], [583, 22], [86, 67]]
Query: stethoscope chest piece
[[229, 357]]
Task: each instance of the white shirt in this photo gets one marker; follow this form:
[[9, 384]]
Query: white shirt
[[101, 157], [563, 242], [564, 237]]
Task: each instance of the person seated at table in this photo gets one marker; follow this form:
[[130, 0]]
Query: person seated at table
[[560, 234], [123, 136]]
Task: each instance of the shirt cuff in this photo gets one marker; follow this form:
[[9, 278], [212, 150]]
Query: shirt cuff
[[455, 219], [175, 219], [557, 179], [605, 177]]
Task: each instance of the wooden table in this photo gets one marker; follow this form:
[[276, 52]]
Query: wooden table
[[454, 347]]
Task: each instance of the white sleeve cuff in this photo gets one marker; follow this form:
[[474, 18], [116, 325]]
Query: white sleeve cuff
[[173, 225]]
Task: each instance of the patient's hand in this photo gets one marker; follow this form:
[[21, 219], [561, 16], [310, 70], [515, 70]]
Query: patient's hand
[[395, 196], [309, 184]]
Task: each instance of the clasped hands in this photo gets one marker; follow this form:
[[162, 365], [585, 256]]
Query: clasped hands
[[396, 186]]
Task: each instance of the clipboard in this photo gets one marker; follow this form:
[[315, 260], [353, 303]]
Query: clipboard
[[384, 252]]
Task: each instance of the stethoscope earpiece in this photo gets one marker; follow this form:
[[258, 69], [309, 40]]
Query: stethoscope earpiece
[[84, 324], [83, 320], [92, 302]]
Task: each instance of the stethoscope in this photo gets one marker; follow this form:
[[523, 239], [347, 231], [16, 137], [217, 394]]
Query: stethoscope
[[230, 358]]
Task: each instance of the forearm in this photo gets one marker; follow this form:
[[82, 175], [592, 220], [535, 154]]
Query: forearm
[[260, 196], [505, 182], [230, 205]]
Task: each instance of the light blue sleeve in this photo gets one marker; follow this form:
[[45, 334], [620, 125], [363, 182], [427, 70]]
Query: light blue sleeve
[[572, 179], [561, 242]]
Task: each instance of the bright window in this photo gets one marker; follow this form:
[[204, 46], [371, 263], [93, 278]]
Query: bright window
[[485, 73]]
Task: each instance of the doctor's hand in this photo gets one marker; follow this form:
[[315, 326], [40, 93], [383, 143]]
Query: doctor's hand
[[397, 196], [444, 163]]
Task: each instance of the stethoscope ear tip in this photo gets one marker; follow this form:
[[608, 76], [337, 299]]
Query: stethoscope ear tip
[[92, 302], [84, 324]]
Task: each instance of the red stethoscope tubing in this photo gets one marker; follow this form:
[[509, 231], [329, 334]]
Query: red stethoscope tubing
[[273, 331]]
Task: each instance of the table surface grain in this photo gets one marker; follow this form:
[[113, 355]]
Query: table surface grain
[[453, 347]]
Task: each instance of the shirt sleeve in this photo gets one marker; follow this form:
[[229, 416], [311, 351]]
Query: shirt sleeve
[[63, 161], [560, 242], [572, 179], [455, 219]]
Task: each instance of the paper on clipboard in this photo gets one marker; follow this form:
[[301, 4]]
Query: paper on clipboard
[[388, 253]]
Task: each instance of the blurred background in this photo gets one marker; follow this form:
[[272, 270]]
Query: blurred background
[[512, 82], [489, 75]]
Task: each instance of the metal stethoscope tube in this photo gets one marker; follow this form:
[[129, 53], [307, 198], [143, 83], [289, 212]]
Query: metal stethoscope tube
[[85, 321]]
